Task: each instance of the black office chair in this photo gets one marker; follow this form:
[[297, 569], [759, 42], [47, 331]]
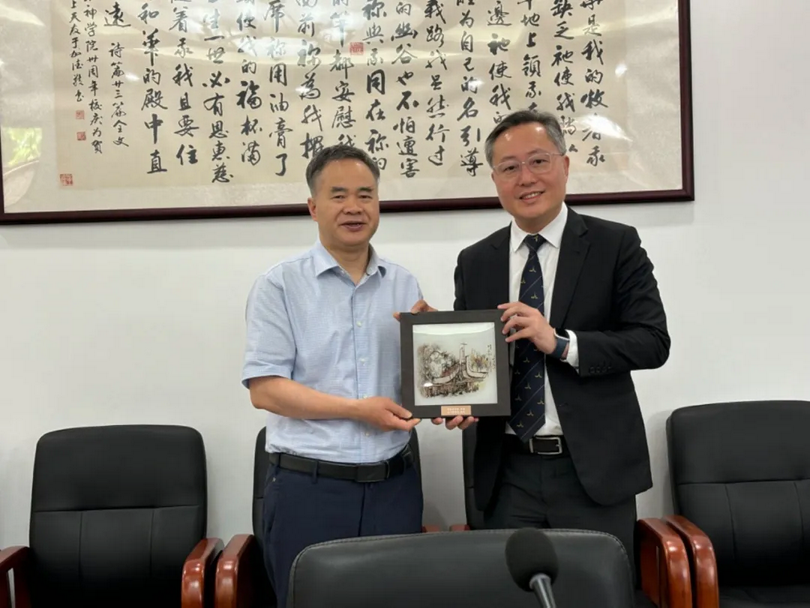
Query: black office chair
[[662, 564], [450, 569], [118, 518], [241, 578], [741, 488]]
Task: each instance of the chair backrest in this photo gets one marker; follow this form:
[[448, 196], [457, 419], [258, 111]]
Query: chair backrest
[[741, 472], [475, 518], [115, 511], [260, 466], [263, 590], [455, 569]]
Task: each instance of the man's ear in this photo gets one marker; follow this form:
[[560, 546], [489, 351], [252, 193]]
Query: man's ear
[[312, 209]]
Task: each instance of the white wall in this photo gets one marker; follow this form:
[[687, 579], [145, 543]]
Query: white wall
[[127, 323]]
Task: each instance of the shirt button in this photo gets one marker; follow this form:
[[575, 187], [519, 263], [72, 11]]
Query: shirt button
[[359, 324], [368, 434]]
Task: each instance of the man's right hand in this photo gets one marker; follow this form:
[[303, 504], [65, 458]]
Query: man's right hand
[[420, 306], [384, 414]]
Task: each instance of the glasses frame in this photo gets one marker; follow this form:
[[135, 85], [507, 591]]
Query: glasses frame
[[521, 163]]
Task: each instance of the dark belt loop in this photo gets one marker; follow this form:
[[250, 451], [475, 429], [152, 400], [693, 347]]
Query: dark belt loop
[[315, 472]]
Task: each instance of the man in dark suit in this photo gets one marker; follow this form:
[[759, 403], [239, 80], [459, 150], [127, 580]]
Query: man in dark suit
[[581, 310]]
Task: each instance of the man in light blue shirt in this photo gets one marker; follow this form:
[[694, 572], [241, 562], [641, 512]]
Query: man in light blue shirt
[[323, 358]]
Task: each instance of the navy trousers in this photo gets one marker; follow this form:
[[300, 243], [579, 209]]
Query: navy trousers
[[302, 510]]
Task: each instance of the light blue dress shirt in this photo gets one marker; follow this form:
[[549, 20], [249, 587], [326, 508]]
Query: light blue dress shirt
[[308, 321]]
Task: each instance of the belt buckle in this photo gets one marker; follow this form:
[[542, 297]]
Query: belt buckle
[[555, 452], [372, 473]]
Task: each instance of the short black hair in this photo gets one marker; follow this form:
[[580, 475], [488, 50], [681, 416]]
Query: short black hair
[[522, 117], [338, 152]]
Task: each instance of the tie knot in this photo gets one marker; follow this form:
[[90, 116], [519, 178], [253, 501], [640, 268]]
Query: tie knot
[[533, 241]]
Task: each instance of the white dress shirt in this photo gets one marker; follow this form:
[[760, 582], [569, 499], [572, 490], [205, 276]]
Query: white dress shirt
[[548, 255]]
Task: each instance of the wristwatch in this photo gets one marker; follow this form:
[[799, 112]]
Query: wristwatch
[[562, 343]]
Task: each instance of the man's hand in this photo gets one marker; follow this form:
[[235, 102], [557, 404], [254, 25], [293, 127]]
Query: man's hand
[[529, 324], [460, 422], [420, 306], [384, 414]]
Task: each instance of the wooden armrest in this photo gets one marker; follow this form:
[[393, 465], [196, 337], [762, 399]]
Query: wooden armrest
[[235, 586], [665, 577], [431, 528], [702, 560], [18, 560], [197, 568], [459, 528]]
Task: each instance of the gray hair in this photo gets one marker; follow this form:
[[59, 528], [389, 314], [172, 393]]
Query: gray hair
[[334, 153], [522, 117]]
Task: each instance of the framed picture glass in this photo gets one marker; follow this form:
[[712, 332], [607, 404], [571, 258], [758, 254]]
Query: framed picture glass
[[455, 363], [202, 109]]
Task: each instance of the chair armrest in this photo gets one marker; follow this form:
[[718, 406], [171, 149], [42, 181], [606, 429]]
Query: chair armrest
[[235, 586], [665, 577], [18, 560], [198, 571], [702, 560], [459, 528], [431, 528]]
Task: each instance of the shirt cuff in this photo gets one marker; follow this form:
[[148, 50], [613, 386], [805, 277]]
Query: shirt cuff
[[573, 352]]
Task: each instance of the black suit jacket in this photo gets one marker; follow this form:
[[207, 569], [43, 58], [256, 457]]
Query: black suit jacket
[[604, 291]]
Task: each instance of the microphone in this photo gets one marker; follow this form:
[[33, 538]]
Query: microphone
[[532, 562]]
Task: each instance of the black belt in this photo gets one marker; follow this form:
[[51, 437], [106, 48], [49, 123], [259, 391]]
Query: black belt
[[552, 445], [363, 473]]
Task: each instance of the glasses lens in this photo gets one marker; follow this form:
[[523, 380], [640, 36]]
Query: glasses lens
[[539, 163]]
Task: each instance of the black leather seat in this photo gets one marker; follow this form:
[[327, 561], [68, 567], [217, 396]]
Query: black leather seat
[[741, 488], [241, 575], [449, 569], [118, 518]]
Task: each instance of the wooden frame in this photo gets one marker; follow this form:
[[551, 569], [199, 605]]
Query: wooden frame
[[53, 204], [196, 584], [455, 382], [702, 560]]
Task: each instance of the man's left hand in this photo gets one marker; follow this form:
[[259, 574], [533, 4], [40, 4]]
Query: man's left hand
[[529, 324], [459, 422]]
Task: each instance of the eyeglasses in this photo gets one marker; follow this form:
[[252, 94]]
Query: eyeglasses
[[537, 163]]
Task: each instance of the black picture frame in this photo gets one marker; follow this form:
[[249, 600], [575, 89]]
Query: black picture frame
[[460, 372]]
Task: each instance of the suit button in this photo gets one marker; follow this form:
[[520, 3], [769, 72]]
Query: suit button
[[593, 370]]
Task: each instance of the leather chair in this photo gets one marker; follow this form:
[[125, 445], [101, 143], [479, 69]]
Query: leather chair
[[241, 578], [663, 568], [118, 519], [448, 569], [741, 489]]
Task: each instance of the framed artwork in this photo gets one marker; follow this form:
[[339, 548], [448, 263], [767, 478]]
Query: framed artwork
[[143, 109], [454, 363]]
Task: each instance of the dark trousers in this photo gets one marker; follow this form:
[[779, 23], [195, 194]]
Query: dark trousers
[[302, 510], [545, 492]]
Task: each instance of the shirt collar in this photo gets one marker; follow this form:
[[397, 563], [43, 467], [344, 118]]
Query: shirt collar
[[324, 261], [553, 231]]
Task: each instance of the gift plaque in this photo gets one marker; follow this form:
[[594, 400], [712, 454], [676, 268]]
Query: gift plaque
[[454, 364]]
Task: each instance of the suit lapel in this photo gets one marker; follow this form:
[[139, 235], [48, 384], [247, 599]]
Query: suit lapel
[[497, 270], [573, 249]]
